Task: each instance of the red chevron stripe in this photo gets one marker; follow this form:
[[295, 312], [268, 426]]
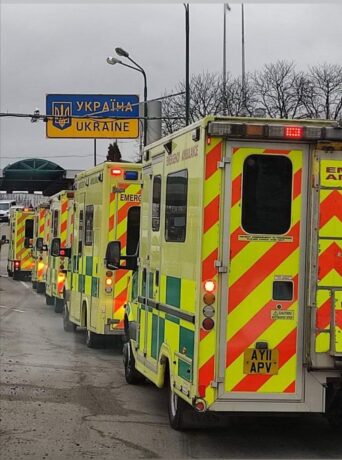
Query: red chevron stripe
[[255, 327], [235, 244], [291, 388], [64, 206], [212, 158], [287, 349], [323, 315], [297, 184], [330, 207], [64, 226], [338, 318], [329, 260], [120, 299], [21, 219], [111, 223], [236, 189], [275, 151], [206, 373], [203, 334], [261, 269], [211, 214], [208, 268], [41, 230]]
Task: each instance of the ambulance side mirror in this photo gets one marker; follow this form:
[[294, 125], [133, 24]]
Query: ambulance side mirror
[[55, 247], [27, 242], [113, 255], [39, 244]]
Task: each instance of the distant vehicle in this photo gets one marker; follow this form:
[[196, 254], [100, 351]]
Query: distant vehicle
[[5, 206]]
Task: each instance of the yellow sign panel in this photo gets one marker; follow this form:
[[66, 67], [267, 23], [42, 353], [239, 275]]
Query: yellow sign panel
[[105, 128], [331, 173]]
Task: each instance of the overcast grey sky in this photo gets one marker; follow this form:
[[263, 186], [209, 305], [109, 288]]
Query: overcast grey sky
[[61, 48]]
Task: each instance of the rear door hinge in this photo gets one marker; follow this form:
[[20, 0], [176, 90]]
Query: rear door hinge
[[215, 383], [224, 161], [220, 267]]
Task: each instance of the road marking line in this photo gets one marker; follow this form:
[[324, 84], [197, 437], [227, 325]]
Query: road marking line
[[24, 284], [12, 309]]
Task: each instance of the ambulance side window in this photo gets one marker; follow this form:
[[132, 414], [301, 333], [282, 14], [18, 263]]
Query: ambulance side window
[[266, 194], [55, 224], [176, 206], [89, 218], [156, 196], [133, 226], [29, 228]]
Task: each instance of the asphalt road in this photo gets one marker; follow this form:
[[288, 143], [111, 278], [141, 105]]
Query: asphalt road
[[61, 400]]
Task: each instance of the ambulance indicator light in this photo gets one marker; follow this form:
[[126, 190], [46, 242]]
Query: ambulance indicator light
[[109, 273], [62, 252], [293, 132], [208, 139], [255, 130], [208, 324], [109, 281], [209, 286], [131, 175], [116, 171], [208, 298]]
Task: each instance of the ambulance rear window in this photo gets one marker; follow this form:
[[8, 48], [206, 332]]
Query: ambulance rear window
[[266, 194], [29, 228], [176, 206]]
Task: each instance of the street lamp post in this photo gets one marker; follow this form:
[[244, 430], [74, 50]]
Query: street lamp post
[[187, 65], [138, 68], [226, 8]]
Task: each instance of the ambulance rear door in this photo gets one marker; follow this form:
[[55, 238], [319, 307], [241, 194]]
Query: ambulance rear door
[[263, 247]]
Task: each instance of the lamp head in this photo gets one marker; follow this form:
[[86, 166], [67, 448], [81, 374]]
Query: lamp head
[[112, 60], [121, 52]]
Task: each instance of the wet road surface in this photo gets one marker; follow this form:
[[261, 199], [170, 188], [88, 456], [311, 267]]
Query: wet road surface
[[61, 400]]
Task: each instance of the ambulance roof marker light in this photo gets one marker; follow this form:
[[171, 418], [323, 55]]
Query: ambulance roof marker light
[[293, 132], [116, 171]]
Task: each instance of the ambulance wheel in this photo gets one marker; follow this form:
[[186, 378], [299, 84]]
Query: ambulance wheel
[[59, 305], [67, 324], [93, 340], [16, 276], [40, 287], [49, 300], [34, 284], [132, 376], [9, 273], [177, 408]]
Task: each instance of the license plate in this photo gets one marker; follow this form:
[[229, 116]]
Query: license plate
[[261, 361]]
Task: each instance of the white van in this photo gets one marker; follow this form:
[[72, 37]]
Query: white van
[[5, 206]]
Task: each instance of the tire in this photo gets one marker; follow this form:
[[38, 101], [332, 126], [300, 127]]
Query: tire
[[40, 287], [49, 300], [132, 376], [93, 340], [59, 305], [9, 273], [17, 276], [34, 284], [67, 324], [176, 408]]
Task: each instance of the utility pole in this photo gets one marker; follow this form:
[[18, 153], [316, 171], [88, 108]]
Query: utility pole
[[226, 8], [243, 58], [187, 70], [94, 152]]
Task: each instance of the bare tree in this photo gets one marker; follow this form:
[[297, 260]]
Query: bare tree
[[233, 102], [279, 89], [323, 95]]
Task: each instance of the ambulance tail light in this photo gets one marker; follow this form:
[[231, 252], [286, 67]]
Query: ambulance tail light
[[116, 172], [208, 324], [293, 132], [209, 298], [109, 281], [17, 265]]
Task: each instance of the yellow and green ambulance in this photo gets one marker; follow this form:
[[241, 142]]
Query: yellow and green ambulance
[[61, 221], [236, 305], [20, 261], [107, 207], [40, 247]]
